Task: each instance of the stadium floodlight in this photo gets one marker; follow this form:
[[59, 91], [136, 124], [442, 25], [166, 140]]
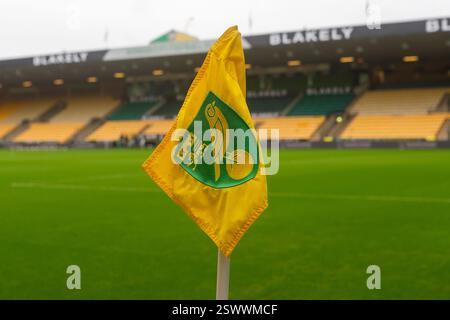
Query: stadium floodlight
[[347, 59], [410, 58], [158, 72], [294, 63], [27, 84], [92, 79], [119, 75], [58, 82]]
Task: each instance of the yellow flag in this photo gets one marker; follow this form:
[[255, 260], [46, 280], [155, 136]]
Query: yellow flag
[[226, 195]]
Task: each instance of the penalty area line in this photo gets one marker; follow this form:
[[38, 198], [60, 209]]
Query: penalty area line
[[34, 185]]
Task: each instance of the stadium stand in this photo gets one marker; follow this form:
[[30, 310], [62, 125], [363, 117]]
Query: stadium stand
[[131, 111], [385, 127], [293, 128], [49, 132], [113, 130], [275, 85], [5, 128], [169, 109], [84, 108], [399, 101], [269, 95], [339, 79], [158, 127], [267, 106], [20, 110], [6, 109], [321, 104]]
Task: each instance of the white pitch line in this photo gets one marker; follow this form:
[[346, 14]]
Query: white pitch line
[[105, 177], [34, 185], [361, 197], [272, 194]]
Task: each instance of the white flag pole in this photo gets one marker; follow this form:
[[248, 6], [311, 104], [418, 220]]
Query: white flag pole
[[223, 276]]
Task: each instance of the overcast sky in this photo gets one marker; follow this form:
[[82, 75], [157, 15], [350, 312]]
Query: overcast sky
[[31, 27]]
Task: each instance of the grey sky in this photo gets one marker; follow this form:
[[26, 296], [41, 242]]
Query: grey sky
[[30, 27]]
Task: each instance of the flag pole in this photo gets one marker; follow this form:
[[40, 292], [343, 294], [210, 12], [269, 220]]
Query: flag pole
[[223, 276]]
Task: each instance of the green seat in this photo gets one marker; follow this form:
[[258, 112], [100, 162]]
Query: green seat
[[169, 109], [131, 111], [321, 104], [267, 105]]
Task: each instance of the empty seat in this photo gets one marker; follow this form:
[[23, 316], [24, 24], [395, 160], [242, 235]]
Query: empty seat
[[267, 105], [169, 109], [113, 130], [131, 111], [27, 109], [5, 128], [158, 127], [321, 104], [7, 109], [49, 132], [399, 101], [84, 108], [293, 128], [385, 127]]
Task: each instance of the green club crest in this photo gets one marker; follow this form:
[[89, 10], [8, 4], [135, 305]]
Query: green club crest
[[233, 146]]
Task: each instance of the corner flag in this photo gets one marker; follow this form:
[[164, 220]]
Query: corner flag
[[225, 196]]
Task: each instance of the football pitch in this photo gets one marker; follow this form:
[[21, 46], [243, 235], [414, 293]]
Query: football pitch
[[331, 214]]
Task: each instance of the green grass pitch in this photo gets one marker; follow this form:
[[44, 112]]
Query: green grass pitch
[[331, 214]]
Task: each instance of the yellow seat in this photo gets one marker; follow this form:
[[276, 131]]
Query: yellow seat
[[49, 132], [5, 128], [84, 108], [399, 101], [293, 128], [113, 130], [385, 127], [27, 109], [158, 127]]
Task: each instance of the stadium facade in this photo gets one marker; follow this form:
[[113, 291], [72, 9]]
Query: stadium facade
[[349, 86]]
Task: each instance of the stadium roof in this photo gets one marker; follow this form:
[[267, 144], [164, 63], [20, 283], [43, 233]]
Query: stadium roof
[[427, 39]]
